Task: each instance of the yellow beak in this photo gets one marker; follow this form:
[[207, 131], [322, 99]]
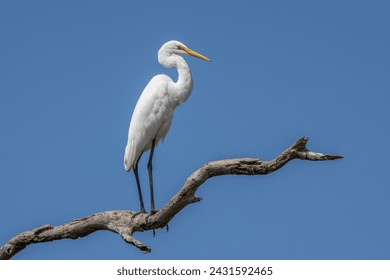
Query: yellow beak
[[194, 53]]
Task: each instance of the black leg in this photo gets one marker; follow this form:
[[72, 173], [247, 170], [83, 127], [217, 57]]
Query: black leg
[[141, 201], [150, 169]]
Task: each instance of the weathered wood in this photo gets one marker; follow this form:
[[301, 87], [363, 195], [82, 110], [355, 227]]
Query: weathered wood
[[125, 223]]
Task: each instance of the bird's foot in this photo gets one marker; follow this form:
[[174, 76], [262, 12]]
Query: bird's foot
[[142, 209], [139, 213], [153, 211]]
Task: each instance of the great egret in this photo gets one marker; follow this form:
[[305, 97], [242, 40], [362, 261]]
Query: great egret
[[153, 113]]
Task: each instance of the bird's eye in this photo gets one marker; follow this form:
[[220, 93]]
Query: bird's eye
[[180, 47]]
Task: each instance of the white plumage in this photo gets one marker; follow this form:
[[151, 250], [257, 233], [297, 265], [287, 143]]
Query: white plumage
[[153, 113]]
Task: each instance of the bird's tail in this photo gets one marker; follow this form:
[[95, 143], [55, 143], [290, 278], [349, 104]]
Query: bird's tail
[[127, 161]]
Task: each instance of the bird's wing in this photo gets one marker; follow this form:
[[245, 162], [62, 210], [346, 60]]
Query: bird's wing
[[150, 115]]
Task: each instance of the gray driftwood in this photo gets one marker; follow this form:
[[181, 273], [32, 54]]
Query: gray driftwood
[[125, 223]]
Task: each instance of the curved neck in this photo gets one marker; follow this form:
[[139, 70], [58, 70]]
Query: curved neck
[[181, 90]]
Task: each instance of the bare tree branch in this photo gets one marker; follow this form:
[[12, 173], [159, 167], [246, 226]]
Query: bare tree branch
[[125, 223]]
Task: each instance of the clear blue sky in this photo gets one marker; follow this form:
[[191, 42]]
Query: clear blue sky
[[71, 73]]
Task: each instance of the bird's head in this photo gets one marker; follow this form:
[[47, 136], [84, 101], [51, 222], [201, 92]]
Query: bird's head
[[178, 48]]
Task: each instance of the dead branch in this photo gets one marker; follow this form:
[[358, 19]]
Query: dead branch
[[125, 223]]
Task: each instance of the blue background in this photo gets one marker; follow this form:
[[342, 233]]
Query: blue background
[[71, 73]]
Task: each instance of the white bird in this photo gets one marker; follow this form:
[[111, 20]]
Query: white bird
[[153, 112]]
